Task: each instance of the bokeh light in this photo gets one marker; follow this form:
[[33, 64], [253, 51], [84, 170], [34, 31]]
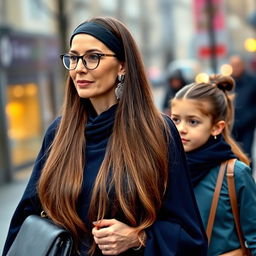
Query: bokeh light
[[202, 78], [226, 70], [250, 44]]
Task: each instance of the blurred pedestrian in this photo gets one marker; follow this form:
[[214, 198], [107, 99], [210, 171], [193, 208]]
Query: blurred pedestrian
[[112, 168], [175, 81], [203, 115], [245, 105]]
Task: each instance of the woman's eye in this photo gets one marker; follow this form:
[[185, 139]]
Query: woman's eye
[[73, 57], [93, 57]]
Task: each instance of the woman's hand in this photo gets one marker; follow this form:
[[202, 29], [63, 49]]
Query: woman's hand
[[114, 237]]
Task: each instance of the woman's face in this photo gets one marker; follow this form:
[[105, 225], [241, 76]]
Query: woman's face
[[99, 84]]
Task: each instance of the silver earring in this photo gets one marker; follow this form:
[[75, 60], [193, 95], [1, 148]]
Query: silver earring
[[119, 87]]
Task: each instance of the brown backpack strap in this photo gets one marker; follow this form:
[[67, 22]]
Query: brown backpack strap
[[233, 201], [215, 200]]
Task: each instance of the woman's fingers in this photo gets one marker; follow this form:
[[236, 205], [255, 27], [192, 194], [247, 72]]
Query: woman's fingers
[[114, 237], [104, 223]]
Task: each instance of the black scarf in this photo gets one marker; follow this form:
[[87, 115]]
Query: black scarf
[[100, 127], [211, 154]]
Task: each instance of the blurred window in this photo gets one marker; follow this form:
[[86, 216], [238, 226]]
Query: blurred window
[[24, 122]]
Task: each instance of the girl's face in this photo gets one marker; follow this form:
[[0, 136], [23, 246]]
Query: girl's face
[[99, 84], [194, 127]]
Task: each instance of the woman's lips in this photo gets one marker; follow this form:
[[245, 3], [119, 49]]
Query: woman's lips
[[83, 83]]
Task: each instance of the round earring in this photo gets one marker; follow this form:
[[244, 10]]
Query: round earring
[[119, 87]]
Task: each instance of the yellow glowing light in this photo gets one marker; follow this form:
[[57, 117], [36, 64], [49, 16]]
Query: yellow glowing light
[[14, 109], [18, 91], [226, 70], [31, 90], [202, 78], [250, 44]]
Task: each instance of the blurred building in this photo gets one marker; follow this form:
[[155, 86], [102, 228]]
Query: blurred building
[[221, 29], [29, 80], [238, 23], [241, 27]]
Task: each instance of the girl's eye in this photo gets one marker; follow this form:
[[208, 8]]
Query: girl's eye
[[175, 119], [193, 122]]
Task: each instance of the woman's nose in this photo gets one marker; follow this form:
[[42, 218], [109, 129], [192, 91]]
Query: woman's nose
[[80, 65]]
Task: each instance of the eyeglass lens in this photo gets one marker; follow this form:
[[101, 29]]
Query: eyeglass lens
[[90, 61]]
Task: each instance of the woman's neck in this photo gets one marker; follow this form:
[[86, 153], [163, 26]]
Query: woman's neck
[[101, 106]]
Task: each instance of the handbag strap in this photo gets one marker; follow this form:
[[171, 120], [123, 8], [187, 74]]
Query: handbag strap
[[233, 201], [215, 200]]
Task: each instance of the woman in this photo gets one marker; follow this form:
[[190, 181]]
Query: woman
[[112, 169]]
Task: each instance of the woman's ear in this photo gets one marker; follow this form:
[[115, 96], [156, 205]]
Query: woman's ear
[[122, 68], [218, 128]]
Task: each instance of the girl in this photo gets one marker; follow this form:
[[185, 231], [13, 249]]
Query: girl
[[203, 114]]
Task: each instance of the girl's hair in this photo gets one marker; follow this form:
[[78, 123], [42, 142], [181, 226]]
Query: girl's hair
[[135, 166], [218, 94]]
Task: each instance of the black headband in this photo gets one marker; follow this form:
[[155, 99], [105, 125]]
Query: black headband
[[102, 34]]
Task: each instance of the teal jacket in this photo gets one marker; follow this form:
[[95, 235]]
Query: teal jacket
[[224, 237]]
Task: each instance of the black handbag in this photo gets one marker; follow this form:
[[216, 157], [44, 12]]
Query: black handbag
[[41, 237]]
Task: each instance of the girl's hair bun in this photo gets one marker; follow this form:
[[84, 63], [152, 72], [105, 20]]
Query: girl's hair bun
[[224, 83], [225, 86]]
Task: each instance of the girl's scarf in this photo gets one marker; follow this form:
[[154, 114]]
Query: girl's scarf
[[208, 156]]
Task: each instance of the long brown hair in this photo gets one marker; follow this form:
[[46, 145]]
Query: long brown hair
[[218, 93], [136, 160]]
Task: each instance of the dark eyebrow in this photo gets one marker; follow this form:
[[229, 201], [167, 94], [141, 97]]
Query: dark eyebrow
[[75, 52], [191, 116], [89, 51]]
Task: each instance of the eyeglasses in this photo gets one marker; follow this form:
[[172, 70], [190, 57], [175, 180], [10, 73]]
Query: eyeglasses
[[90, 60]]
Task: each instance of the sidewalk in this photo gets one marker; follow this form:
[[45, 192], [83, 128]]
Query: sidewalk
[[10, 195]]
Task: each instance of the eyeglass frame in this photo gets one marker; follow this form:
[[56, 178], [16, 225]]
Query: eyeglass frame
[[83, 61]]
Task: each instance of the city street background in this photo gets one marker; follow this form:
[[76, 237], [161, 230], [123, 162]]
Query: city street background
[[196, 37]]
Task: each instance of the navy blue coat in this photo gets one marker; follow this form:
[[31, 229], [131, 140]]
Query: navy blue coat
[[245, 111], [178, 231]]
